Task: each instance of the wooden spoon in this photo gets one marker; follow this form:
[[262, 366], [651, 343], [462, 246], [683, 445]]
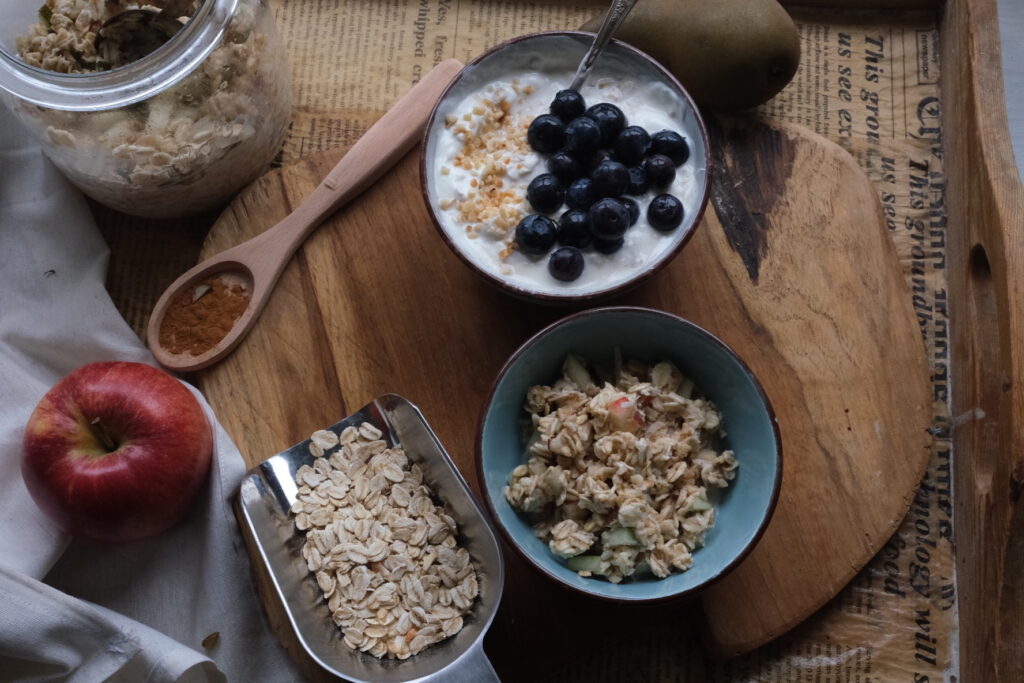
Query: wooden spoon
[[257, 263]]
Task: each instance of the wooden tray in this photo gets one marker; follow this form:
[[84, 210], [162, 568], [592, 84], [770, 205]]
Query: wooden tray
[[983, 206], [985, 251]]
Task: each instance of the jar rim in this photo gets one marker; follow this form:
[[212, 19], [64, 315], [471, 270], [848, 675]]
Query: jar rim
[[131, 83]]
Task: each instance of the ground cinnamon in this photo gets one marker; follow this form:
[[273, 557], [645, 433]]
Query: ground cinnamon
[[202, 315]]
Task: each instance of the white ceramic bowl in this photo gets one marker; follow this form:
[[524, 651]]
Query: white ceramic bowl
[[531, 69]]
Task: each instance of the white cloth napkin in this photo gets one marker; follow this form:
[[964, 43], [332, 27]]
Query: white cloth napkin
[[74, 610]]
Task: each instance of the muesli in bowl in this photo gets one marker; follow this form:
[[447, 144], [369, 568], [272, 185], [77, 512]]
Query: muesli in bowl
[[629, 455], [560, 195], [620, 469]]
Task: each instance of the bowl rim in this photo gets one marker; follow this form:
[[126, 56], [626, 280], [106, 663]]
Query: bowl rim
[[588, 297], [506, 534]]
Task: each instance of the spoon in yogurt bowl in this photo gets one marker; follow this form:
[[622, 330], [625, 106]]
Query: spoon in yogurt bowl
[[617, 13], [236, 283]]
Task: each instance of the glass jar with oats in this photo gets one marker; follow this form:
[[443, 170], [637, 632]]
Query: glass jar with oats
[[161, 109]]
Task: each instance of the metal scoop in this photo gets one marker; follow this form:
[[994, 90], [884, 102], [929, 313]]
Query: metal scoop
[[267, 493]]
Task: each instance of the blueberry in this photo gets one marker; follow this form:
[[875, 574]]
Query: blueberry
[[564, 167], [609, 246], [535, 234], [546, 134], [599, 157], [574, 229], [637, 181], [565, 264], [671, 144], [665, 212], [609, 218], [633, 208], [610, 120], [631, 145], [582, 137], [660, 170], [580, 194], [567, 105], [610, 179], [546, 193]]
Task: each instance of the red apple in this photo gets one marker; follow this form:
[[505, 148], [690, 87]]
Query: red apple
[[116, 451]]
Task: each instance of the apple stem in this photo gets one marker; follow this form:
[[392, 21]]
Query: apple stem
[[103, 435]]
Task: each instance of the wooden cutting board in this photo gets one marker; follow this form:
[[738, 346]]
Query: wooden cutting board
[[792, 267]]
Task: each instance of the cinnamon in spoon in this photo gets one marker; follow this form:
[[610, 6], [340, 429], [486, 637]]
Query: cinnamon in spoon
[[203, 315]]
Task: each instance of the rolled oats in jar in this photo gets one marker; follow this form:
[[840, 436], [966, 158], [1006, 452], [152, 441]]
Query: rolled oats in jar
[[161, 109]]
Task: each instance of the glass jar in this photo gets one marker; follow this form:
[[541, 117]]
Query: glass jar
[[174, 133]]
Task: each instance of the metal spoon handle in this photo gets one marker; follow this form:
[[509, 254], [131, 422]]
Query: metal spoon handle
[[616, 15]]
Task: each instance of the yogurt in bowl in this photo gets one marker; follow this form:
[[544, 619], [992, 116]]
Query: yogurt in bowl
[[477, 162]]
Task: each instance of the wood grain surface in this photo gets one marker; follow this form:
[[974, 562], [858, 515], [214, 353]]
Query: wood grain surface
[[793, 268], [985, 204]]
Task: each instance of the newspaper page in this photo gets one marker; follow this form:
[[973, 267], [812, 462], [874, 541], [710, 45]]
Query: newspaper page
[[351, 60], [868, 81]]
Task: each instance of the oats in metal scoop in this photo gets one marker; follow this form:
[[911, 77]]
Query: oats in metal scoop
[[383, 552]]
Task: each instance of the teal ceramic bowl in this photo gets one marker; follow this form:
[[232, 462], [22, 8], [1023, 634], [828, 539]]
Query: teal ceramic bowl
[[743, 509]]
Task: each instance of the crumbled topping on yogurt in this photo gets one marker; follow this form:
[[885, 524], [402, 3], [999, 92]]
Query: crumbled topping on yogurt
[[493, 155]]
